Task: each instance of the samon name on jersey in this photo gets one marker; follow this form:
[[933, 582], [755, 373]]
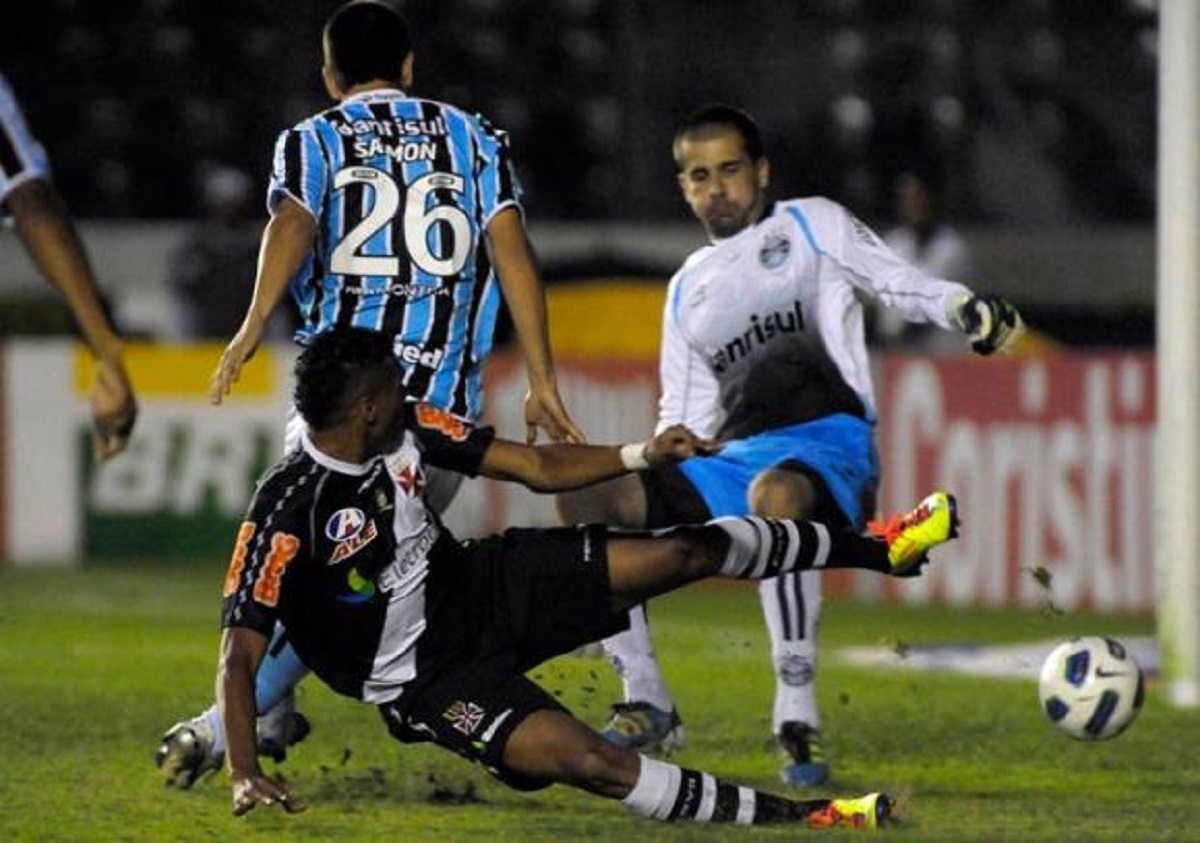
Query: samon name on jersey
[[403, 190], [350, 560]]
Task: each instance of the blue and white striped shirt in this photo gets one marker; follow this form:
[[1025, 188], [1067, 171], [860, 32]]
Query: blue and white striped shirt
[[402, 190]]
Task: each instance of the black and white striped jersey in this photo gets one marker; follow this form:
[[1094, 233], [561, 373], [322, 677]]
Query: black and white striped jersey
[[342, 554], [403, 190], [21, 157]]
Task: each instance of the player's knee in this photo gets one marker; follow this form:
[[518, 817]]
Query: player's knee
[[776, 493], [696, 552]]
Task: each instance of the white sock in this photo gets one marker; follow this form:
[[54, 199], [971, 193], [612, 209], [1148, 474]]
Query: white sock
[[795, 702], [213, 717], [632, 655], [792, 610], [656, 789], [766, 547], [669, 793]]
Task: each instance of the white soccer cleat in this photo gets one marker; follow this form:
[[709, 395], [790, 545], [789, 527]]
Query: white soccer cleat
[[186, 753]]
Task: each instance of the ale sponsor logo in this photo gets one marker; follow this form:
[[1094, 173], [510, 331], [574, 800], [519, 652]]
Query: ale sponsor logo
[[345, 524]]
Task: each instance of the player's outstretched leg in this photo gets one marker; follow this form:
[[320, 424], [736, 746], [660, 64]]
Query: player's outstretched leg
[[194, 747], [758, 548], [553, 746]]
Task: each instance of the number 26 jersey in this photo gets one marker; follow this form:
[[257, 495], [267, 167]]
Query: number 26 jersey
[[402, 190]]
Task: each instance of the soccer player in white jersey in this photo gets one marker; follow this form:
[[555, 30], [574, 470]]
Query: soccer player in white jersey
[[763, 348], [388, 608], [399, 215], [44, 225]]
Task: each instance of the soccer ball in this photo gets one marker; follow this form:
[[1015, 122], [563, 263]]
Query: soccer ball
[[1091, 688]]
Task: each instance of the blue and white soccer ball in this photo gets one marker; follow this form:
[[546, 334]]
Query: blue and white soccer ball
[[1091, 687]]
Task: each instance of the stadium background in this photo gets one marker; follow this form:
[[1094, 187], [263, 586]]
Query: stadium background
[[1033, 122], [1033, 119]]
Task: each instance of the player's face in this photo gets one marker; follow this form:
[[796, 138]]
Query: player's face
[[723, 187], [388, 416]]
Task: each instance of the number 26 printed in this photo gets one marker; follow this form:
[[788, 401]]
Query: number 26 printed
[[419, 222]]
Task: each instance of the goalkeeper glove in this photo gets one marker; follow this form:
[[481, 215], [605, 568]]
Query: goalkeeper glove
[[991, 323]]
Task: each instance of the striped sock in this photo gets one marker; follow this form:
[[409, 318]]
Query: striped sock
[[766, 547], [670, 793]]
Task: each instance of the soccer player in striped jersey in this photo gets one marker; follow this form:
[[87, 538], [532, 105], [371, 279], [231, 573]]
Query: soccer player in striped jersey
[[44, 225], [389, 609], [763, 348], [400, 215]]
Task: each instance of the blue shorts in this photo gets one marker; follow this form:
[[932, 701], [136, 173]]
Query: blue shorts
[[838, 449]]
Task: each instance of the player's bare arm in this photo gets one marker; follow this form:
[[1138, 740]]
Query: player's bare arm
[[44, 226], [522, 287], [286, 244], [559, 467], [241, 651]]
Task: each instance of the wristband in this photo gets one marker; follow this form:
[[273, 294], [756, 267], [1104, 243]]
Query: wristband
[[633, 456]]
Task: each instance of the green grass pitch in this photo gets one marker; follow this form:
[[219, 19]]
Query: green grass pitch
[[94, 664]]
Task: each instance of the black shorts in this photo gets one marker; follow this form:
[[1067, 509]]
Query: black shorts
[[529, 595]]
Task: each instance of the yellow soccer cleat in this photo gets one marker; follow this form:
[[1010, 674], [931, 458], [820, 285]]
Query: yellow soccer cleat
[[866, 813], [911, 535]]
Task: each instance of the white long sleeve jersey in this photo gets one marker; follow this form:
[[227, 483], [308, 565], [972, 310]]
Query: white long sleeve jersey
[[764, 328]]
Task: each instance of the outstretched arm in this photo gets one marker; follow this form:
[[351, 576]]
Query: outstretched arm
[[522, 288], [990, 323], [45, 227], [556, 468], [286, 244], [242, 650]]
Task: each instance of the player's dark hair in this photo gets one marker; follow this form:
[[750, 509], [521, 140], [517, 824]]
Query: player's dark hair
[[365, 40], [719, 114], [337, 368]]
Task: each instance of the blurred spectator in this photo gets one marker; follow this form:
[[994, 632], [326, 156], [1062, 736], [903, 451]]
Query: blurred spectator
[[1032, 110], [212, 272], [922, 238]]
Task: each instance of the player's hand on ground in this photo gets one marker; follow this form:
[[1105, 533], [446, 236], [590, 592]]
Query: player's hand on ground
[[252, 790], [240, 349], [677, 443], [114, 409], [991, 323], [544, 409]]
